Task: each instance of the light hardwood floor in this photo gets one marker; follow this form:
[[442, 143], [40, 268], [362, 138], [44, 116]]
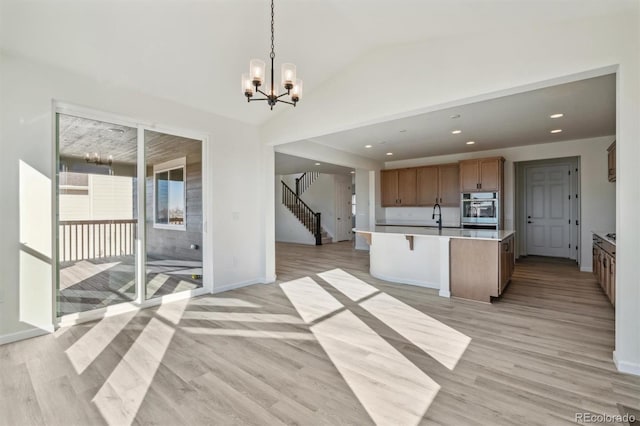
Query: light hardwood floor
[[538, 355]]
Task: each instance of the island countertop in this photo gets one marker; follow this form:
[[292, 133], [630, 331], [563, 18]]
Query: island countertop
[[478, 234]]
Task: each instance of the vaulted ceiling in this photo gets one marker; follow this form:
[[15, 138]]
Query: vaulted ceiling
[[193, 52]]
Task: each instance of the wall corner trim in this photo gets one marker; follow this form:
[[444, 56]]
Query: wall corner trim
[[626, 366]]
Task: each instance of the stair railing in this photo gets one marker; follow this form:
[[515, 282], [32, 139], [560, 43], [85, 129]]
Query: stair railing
[[304, 181], [310, 219]]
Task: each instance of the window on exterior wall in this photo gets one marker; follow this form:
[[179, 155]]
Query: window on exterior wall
[[170, 195]]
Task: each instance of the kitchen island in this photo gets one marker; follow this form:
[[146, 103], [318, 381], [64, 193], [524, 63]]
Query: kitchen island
[[468, 263]]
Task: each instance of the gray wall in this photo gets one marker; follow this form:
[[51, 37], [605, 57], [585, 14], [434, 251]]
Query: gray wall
[[175, 244]]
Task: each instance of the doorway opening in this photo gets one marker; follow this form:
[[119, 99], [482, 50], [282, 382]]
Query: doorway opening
[[129, 217], [548, 208]]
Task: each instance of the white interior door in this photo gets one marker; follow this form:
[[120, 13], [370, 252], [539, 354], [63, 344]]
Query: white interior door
[[548, 211], [343, 208]]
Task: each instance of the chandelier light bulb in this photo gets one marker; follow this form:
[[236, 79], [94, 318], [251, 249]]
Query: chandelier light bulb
[[247, 85], [288, 75], [257, 68], [296, 91]]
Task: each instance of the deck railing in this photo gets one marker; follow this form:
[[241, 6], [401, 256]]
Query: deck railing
[[94, 239]]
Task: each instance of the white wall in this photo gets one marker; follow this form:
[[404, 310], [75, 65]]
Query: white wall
[[598, 197], [442, 72], [365, 199], [236, 161]]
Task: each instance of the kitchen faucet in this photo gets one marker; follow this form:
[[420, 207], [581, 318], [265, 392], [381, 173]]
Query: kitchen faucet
[[433, 216]]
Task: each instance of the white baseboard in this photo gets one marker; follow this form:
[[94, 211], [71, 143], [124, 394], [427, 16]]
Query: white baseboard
[[625, 366], [444, 293], [25, 334], [240, 284], [586, 269], [417, 283], [268, 280]]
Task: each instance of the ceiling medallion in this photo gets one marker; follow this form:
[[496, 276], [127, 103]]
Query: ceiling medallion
[[255, 78]]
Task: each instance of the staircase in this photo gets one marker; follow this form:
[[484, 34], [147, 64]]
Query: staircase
[[310, 219], [304, 181]]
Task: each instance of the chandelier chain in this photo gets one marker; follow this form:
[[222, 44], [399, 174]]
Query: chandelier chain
[[273, 54]]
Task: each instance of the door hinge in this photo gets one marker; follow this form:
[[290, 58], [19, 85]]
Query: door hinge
[[576, 247], [577, 223], [569, 196], [569, 245], [569, 221], [576, 195], [569, 172]]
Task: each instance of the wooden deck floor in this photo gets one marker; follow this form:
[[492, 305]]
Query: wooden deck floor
[[97, 283], [538, 355]]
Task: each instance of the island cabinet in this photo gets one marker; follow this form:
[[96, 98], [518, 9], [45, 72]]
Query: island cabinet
[[398, 187], [438, 184], [481, 269], [611, 162], [482, 175]]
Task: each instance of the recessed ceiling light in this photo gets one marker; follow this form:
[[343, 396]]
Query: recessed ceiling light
[[116, 130], [556, 115], [471, 142], [389, 153], [556, 131], [456, 132], [454, 116], [368, 146], [353, 172], [383, 142], [317, 164], [403, 130]]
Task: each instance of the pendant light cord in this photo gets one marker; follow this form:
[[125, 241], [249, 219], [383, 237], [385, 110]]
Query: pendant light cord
[[273, 54]]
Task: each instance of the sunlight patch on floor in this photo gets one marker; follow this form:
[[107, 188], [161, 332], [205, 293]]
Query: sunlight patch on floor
[[242, 317], [266, 334], [310, 300], [121, 396], [154, 285], [389, 386], [223, 302], [88, 347], [352, 287], [81, 271], [442, 342]]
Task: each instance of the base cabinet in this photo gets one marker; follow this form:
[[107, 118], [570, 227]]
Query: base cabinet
[[481, 269], [604, 266]]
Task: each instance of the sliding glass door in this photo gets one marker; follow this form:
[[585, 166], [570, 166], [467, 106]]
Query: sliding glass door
[[97, 214], [129, 216], [173, 191]]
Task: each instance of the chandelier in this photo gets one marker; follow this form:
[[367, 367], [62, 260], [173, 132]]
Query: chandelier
[[255, 78], [98, 160]]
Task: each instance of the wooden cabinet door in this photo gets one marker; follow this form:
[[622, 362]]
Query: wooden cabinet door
[[407, 187], [469, 176], [490, 175], [427, 184], [449, 185], [612, 281], [611, 160], [389, 188]]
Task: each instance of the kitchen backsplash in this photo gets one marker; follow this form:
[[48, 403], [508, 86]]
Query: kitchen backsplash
[[450, 215]]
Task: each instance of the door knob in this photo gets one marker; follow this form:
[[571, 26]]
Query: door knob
[[529, 221], [528, 217]]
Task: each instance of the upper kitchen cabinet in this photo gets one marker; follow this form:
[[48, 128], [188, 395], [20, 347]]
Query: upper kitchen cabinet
[[398, 187], [611, 160], [438, 184], [481, 175]]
